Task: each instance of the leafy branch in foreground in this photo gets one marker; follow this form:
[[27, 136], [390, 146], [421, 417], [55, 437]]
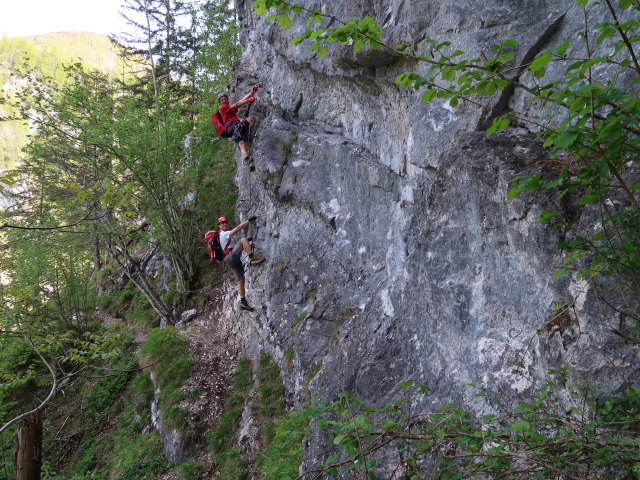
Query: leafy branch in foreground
[[591, 129], [541, 438]]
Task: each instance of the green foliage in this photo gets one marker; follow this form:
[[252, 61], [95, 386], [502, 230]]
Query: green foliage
[[288, 359], [365, 32], [622, 412], [281, 432], [7, 467], [112, 445], [143, 318], [190, 470], [232, 465], [242, 377], [271, 401], [86, 459], [46, 54], [282, 458], [285, 146], [166, 352], [98, 402], [106, 144], [297, 323], [540, 438], [138, 458], [221, 438], [271, 395], [128, 167]]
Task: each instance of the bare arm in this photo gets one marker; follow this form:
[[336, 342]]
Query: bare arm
[[239, 227], [244, 100], [243, 225]]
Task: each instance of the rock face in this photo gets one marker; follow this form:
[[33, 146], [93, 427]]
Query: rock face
[[171, 441], [392, 251]]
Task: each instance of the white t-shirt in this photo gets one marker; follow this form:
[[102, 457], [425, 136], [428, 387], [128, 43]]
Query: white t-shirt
[[225, 236]]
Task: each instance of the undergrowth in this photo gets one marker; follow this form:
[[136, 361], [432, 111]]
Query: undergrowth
[[165, 351], [100, 432], [280, 433]]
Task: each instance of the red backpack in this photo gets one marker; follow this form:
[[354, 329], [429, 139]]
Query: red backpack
[[216, 252], [222, 128]]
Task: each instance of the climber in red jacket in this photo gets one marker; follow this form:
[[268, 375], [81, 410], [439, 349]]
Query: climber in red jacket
[[240, 128]]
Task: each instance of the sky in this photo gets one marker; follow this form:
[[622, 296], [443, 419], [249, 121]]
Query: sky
[[19, 18]]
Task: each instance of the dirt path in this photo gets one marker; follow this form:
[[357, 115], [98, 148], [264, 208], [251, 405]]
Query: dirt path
[[213, 370]]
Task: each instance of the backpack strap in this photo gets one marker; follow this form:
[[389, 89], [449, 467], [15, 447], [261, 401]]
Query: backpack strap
[[226, 248]]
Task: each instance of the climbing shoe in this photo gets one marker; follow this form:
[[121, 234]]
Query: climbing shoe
[[244, 305], [249, 160], [256, 260]]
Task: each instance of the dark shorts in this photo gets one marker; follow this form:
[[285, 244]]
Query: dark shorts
[[232, 260], [240, 131]]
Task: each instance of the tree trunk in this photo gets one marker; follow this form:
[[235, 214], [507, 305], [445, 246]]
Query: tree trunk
[[28, 455]]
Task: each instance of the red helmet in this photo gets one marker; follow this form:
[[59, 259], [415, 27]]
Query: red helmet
[[222, 219]]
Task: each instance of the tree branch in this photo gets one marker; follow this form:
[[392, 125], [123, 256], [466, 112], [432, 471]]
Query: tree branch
[[54, 387]]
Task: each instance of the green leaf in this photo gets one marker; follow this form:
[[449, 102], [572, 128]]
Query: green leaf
[[8, 179], [284, 21], [547, 215], [515, 191], [561, 272], [602, 168], [562, 48], [566, 139], [521, 426], [498, 124], [429, 95], [260, 7], [338, 440], [541, 61], [448, 74], [624, 4]]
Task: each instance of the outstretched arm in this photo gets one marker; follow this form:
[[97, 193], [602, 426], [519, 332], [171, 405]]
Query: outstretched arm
[[243, 225], [248, 98]]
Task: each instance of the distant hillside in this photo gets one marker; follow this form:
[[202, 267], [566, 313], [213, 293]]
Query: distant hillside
[[47, 53]]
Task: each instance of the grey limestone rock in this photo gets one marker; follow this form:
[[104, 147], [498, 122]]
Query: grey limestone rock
[[392, 252], [188, 315]]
